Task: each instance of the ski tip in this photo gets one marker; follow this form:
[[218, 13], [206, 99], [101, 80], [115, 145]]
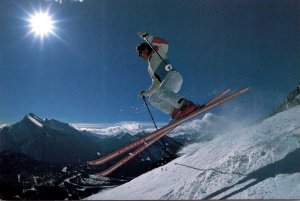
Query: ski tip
[[246, 88]]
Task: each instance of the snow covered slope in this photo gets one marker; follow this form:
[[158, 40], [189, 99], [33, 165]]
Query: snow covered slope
[[257, 162]]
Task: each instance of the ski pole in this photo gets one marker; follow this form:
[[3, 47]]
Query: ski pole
[[149, 112], [168, 66]]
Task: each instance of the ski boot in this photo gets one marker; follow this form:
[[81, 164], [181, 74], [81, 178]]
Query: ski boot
[[186, 108]]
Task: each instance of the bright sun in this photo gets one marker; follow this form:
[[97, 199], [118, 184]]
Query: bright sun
[[41, 24]]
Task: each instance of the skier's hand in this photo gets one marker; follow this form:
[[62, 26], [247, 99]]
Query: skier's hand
[[142, 34], [141, 94]]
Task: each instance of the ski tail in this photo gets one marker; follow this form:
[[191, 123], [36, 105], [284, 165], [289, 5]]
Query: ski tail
[[140, 141], [165, 130]]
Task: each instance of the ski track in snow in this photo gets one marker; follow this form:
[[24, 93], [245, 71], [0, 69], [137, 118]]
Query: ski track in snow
[[257, 162]]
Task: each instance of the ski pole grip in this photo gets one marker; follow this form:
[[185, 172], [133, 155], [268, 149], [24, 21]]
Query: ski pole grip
[[144, 35]]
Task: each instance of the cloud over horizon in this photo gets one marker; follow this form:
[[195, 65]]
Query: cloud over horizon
[[66, 1]]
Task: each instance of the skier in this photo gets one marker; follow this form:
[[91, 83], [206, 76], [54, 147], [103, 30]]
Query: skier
[[166, 81]]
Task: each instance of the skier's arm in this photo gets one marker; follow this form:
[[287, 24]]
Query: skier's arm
[[159, 44]]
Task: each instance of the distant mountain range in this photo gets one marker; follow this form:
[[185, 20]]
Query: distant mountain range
[[35, 146]]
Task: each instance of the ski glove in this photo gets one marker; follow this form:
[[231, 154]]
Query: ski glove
[[142, 94], [142, 34]]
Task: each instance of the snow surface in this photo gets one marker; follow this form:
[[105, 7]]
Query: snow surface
[[35, 120], [256, 162], [3, 125], [64, 169]]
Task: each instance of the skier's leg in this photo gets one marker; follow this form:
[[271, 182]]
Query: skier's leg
[[169, 89], [160, 104], [168, 92]]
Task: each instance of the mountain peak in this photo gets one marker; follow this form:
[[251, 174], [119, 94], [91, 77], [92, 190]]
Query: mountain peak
[[34, 119]]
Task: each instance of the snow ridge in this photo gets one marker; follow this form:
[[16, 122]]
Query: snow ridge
[[3, 125], [34, 119]]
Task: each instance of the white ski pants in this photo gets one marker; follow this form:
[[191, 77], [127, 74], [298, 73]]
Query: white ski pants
[[167, 97]]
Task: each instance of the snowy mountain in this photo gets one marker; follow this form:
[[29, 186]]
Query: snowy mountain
[[50, 155], [105, 130], [56, 142], [3, 125], [48, 141], [292, 100], [256, 162]]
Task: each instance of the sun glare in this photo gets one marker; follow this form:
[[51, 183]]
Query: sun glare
[[41, 24]]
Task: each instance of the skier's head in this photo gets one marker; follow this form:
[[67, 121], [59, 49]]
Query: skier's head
[[144, 50]]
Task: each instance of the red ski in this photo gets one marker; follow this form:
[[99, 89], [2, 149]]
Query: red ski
[[165, 130], [140, 141]]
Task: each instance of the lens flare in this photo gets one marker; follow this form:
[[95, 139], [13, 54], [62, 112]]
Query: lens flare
[[41, 24]]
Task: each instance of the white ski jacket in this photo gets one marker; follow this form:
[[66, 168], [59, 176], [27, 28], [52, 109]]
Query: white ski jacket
[[156, 67]]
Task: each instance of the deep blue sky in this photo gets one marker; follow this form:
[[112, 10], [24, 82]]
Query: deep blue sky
[[89, 72]]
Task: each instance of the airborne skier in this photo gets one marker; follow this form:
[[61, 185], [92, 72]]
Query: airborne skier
[[163, 94], [166, 81]]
